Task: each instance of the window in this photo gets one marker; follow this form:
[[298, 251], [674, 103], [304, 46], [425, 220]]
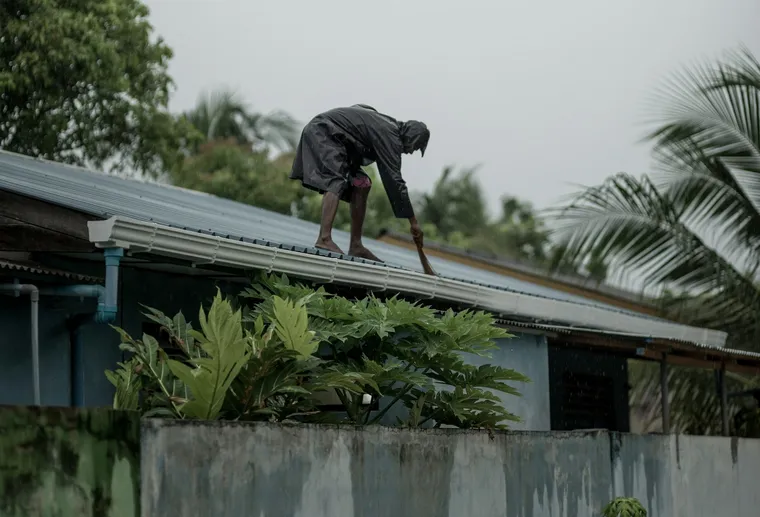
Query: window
[[588, 388], [588, 401]]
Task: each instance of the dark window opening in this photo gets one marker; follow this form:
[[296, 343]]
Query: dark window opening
[[588, 388], [588, 401]]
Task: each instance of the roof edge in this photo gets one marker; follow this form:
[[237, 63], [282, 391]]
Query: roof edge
[[201, 248], [559, 280]]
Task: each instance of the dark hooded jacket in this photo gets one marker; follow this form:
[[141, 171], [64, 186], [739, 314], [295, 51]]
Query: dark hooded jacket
[[335, 144]]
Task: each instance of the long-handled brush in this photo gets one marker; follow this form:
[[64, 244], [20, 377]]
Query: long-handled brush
[[426, 267]]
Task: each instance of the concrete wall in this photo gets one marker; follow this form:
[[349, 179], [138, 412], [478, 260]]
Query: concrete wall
[[56, 462], [688, 476], [263, 470]]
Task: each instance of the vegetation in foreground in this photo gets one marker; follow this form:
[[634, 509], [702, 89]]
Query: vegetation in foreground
[[277, 358], [624, 507]]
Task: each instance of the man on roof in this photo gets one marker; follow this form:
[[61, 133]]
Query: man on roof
[[333, 148]]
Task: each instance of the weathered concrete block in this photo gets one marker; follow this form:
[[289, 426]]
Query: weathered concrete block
[[266, 470], [61, 462]]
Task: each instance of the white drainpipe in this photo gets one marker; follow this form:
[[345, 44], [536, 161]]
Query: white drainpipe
[[34, 295]]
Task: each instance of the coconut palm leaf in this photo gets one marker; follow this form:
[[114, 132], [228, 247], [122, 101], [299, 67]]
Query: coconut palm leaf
[[712, 113], [222, 115], [636, 225], [278, 129], [693, 227]]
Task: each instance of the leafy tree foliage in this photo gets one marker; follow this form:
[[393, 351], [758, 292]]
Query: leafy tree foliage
[[86, 83], [234, 171], [272, 360], [455, 204]]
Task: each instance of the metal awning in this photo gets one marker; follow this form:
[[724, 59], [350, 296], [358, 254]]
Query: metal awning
[[21, 262]]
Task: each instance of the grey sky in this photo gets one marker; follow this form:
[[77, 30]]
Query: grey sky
[[543, 95]]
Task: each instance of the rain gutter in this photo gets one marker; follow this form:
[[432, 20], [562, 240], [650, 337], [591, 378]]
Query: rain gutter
[[201, 248]]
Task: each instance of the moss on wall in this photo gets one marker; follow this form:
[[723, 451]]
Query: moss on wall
[[57, 462]]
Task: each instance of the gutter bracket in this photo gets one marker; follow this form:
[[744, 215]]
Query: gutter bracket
[[152, 237], [477, 296], [274, 258], [435, 287], [333, 270], [385, 280]]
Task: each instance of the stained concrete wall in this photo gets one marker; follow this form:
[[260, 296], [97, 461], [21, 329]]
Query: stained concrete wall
[[263, 470], [688, 476], [57, 462]]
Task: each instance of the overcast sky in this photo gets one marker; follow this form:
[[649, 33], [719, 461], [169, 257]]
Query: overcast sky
[[542, 95]]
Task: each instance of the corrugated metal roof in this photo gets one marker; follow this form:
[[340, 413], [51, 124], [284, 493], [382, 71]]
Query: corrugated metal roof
[[563, 329], [575, 280], [38, 269], [105, 195]]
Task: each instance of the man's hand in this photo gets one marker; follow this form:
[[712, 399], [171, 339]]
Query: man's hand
[[416, 231]]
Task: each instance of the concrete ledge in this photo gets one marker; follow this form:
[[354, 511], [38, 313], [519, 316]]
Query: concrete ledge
[[262, 469]]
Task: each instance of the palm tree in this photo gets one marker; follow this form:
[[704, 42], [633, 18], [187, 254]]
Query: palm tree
[[456, 203], [693, 227], [222, 115]]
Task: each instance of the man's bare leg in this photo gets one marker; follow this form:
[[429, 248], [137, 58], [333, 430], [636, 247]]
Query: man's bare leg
[[359, 197], [330, 202]]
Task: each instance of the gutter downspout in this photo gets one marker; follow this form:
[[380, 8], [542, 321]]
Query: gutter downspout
[[34, 295], [106, 313]]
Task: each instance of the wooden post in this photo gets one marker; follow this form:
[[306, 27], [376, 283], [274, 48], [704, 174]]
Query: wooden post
[[665, 394], [723, 400]]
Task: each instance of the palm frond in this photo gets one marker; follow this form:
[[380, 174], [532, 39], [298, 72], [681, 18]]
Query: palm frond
[[741, 68], [222, 115], [694, 228], [704, 191], [219, 115], [717, 213], [637, 228], [713, 113], [278, 129]]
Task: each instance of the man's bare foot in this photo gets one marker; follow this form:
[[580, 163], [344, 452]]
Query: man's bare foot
[[328, 245], [362, 252]]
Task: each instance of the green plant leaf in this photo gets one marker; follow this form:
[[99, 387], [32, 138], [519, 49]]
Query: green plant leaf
[[128, 385], [291, 326], [223, 341]]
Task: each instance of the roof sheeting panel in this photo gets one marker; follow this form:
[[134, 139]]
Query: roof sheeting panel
[[105, 195]]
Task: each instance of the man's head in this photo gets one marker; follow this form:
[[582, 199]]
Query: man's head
[[414, 136]]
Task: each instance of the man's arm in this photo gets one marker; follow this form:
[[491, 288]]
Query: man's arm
[[416, 231], [395, 187], [398, 195]]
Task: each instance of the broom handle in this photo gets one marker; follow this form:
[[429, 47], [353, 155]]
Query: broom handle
[[426, 267]]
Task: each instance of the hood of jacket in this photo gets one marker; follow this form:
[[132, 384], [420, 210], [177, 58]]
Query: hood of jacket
[[414, 136]]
